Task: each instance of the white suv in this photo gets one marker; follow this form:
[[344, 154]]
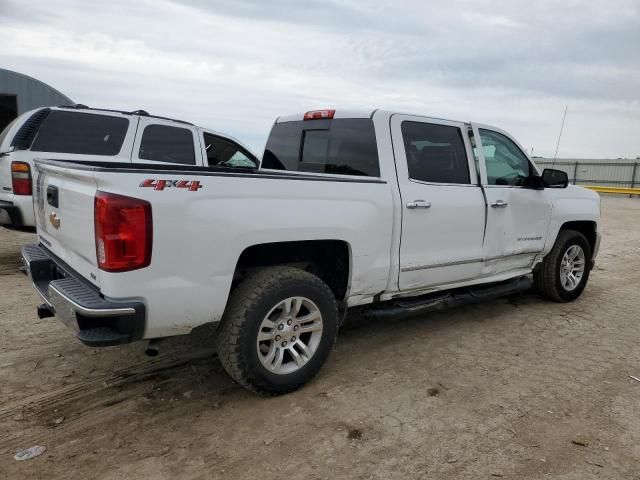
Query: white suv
[[81, 134]]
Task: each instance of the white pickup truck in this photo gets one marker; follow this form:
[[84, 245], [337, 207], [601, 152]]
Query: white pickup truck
[[78, 133], [377, 210]]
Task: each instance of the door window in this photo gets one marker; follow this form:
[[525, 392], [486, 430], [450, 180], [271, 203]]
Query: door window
[[224, 153], [161, 143], [505, 162], [435, 153]]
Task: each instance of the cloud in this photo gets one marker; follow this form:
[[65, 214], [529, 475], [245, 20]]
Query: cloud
[[234, 65]]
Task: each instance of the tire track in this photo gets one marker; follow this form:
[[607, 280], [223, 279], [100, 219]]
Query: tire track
[[82, 399]]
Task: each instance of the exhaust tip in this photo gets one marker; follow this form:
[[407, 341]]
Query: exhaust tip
[[152, 349], [44, 311]]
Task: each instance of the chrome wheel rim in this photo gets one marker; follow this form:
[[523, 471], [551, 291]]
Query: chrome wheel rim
[[572, 267], [289, 335]]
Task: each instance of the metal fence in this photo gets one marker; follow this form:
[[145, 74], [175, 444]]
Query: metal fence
[[604, 173]]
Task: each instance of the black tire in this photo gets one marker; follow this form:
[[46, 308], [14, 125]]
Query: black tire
[[249, 304], [547, 276]]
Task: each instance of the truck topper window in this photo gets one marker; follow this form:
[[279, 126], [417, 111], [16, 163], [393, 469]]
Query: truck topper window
[[345, 146]]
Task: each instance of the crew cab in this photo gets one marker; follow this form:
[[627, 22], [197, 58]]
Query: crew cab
[[376, 211], [79, 134]]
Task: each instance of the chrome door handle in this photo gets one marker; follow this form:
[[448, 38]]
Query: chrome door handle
[[418, 204], [499, 204]]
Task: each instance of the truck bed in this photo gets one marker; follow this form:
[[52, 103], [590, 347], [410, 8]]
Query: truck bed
[[200, 233]]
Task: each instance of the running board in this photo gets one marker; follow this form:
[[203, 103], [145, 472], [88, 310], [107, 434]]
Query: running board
[[441, 300]]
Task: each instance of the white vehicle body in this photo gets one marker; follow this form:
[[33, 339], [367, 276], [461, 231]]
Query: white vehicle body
[[403, 237], [16, 210]]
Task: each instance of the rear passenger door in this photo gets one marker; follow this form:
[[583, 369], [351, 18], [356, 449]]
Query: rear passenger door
[[165, 141], [443, 208]]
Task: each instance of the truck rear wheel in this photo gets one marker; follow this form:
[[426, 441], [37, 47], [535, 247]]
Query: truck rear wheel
[[564, 272], [278, 329]]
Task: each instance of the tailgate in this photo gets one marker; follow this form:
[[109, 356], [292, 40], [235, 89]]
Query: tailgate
[[63, 204]]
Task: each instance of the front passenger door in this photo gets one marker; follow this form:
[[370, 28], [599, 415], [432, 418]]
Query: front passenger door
[[517, 214]]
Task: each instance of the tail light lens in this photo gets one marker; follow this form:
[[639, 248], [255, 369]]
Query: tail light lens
[[21, 178], [124, 232]]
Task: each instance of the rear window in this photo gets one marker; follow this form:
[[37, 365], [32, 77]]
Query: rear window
[[161, 143], [345, 146], [83, 133]]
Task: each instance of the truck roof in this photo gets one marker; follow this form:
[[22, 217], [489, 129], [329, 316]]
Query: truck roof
[[358, 113], [339, 113]]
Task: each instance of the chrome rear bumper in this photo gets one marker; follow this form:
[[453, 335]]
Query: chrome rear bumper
[[97, 321]]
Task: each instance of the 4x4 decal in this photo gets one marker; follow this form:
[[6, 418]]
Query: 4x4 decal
[[191, 185]]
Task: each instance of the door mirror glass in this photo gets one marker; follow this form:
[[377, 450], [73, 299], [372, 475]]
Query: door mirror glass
[[555, 178]]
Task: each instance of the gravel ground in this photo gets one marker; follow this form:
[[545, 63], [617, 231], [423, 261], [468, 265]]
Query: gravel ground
[[517, 388]]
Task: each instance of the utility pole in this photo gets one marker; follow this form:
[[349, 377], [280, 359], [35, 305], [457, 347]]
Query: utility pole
[[555, 155]]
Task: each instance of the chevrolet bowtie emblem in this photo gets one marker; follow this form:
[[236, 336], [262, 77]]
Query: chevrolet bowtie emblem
[[55, 221]]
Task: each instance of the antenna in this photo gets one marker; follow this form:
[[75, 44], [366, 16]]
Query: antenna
[[560, 135]]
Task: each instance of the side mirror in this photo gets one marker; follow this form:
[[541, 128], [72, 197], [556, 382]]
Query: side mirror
[[554, 178]]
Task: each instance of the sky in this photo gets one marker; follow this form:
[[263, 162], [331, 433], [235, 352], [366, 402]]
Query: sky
[[235, 65]]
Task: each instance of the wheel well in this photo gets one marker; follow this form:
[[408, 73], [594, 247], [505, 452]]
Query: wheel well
[[327, 259], [587, 228]]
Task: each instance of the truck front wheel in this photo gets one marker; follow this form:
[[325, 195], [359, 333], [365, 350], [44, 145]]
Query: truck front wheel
[[278, 329], [564, 272]]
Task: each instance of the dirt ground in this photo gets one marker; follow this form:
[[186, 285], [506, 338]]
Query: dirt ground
[[518, 388]]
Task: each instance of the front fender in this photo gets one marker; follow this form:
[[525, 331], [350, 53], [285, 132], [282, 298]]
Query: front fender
[[571, 204]]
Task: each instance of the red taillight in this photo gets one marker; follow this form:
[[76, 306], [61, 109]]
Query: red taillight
[[124, 232], [319, 114], [21, 178]]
